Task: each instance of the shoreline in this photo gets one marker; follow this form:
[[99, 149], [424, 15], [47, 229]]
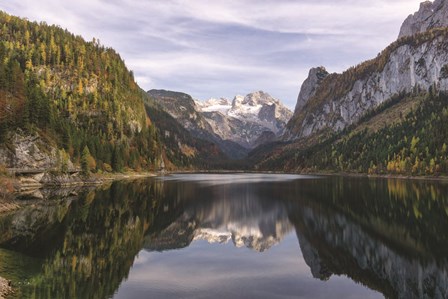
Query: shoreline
[[27, 184], [11, 188], [14, 186]]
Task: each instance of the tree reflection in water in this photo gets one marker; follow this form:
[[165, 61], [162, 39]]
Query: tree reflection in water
[[88, 244], [389, 235]]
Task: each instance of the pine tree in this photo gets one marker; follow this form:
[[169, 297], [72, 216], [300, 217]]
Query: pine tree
[[85, 171]]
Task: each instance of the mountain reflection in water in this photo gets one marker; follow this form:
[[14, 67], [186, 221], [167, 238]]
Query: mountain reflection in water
[[388, 235]]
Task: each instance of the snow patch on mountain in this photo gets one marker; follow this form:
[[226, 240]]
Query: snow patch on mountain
[[215, 105]]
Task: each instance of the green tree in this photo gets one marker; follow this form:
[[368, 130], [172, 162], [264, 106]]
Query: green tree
[[85, 156]]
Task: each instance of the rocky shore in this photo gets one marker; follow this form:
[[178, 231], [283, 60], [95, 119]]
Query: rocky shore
[[12, 190], [49, 179]]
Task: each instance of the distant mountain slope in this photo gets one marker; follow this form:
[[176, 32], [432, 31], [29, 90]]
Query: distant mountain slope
[[183, 109], [236, 127], [181, 147]]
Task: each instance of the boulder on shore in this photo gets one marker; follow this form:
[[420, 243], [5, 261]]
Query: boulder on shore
[[5, 288]]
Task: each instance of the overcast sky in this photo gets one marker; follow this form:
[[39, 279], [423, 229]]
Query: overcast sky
[[211, 48]]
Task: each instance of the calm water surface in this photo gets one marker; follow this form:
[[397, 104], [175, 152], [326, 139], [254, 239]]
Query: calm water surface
[[232, 236]]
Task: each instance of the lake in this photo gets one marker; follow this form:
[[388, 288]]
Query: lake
[[231, 236]]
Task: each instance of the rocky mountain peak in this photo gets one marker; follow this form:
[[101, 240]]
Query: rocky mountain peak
[[254, 103], [259, 98], [310, 85], [430, 15]]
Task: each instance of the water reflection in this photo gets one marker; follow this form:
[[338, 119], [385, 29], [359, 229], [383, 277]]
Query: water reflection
[[239, 213], [388, 235], [210, 179], [85, 247]]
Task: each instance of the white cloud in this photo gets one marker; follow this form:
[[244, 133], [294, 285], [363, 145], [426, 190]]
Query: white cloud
[[221, 48]]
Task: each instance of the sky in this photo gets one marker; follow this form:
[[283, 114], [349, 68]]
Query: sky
[[221, 48]]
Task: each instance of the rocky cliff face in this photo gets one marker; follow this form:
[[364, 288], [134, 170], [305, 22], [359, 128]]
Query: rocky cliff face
[[309, 86], [29, 151], [412, 63], [246, 119], [430, 15]]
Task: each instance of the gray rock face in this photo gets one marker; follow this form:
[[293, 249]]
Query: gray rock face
[[29, 152], [430, 15], [265, 137], [408, 67], [310, 85]]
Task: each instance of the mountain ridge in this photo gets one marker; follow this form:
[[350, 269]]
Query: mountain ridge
[[417, 60], [412, 62]]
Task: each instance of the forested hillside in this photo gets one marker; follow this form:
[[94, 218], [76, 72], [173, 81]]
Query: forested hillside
[[407, 135], [74, 94]]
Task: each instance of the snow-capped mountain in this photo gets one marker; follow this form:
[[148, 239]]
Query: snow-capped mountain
[[246, 118]]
